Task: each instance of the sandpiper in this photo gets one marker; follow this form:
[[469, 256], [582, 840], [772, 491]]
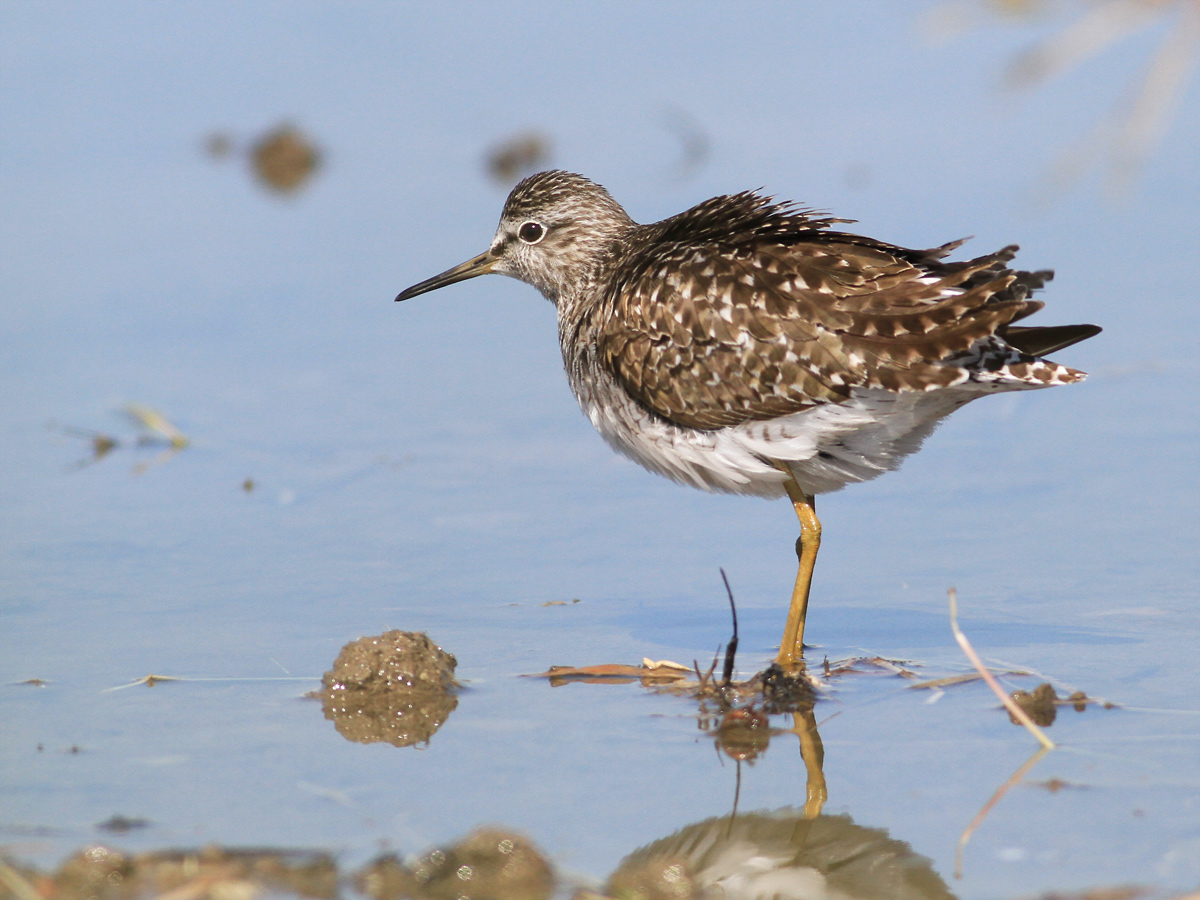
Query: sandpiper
[[746, 346]]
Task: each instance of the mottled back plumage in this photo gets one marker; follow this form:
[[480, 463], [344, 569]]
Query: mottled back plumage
[[742, 309]]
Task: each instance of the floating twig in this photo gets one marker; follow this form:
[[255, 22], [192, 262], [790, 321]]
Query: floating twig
[[148, 681], [152, 680], [964, 678], [152, 420]]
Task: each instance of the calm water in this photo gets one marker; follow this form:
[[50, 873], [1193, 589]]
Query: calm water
[[424, 466]]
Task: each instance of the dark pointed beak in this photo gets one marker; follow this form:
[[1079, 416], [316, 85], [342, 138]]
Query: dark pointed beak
[[479, 265]]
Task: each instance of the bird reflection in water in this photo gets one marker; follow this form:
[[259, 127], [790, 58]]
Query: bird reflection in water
[[744, 733], [779, 854], [796, 854]]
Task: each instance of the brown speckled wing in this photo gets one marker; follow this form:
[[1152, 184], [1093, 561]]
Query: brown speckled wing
[[784, 316]]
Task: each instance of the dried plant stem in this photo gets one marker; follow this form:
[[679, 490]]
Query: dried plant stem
[[1017, 713]]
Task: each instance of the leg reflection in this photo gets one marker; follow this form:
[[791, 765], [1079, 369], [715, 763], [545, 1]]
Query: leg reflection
[[805, 726]]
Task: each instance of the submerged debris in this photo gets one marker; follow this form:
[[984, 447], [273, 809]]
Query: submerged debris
[[94, 872], [649, 672], [774, 691], [211, 873], [385, 878], [218, 145], [397, 687], [1054, 785], [155, 422], [284, 158], [934, 684], [782, 853], [1038, 704], [1041, 704], [119, 824], [158, 430], [520, 155], [856, 664], [744, 734], [1121, 892], [101, 445], [147, 680], [785, 691], [488, 864]]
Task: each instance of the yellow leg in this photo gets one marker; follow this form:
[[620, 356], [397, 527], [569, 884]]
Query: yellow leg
[[791, 647]]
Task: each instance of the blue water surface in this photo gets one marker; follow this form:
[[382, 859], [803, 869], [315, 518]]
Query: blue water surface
[[423, 466]]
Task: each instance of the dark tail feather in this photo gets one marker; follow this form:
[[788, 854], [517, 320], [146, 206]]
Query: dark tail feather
[[1038, 341]]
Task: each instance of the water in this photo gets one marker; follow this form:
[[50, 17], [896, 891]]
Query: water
[[424, 466]]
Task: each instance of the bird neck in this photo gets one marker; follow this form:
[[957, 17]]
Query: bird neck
[[576, 286]]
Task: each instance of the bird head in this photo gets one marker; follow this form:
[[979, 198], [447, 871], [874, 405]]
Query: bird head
[[554, 229]]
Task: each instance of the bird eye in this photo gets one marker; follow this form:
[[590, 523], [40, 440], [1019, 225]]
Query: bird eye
[[531, 232]]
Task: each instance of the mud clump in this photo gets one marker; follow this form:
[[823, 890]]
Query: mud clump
[[744, 734], [517, 157], [284, 159], [1039, 704], [385, 878], [94, 873], [101, 873], [488, 864], [397, 687], [784, 691]]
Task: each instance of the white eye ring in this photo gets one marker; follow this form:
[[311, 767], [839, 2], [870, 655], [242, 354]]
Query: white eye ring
[[531, 232]]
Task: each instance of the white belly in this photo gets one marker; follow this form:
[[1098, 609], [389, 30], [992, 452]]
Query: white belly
[[826, 447]]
